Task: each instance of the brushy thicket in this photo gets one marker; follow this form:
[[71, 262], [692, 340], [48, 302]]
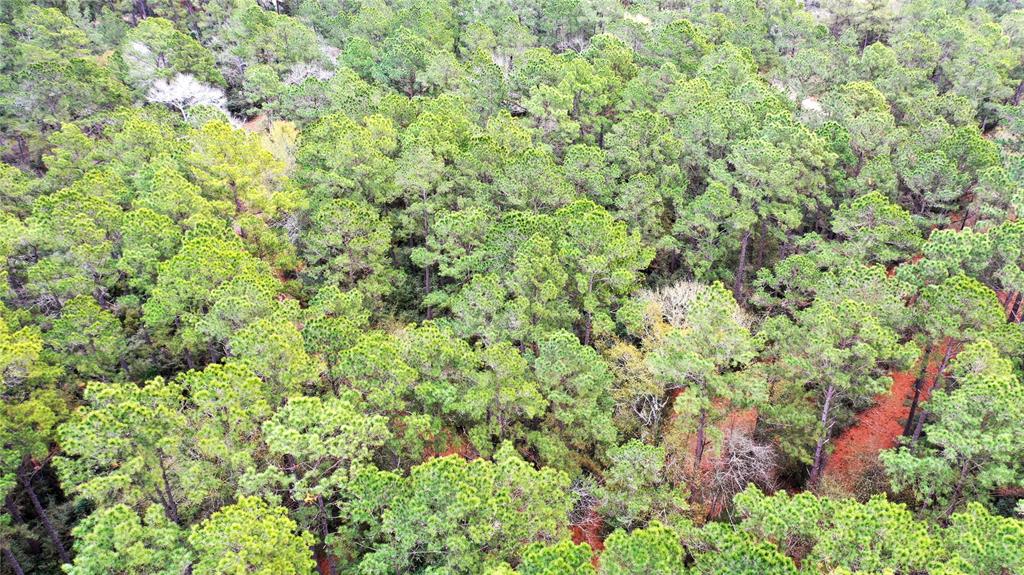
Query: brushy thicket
[[511, 287]]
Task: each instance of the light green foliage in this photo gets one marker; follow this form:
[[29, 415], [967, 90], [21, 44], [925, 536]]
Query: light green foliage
[[55, 90], [233, 168], [16, 192], [842, 352], [341, 158], [46, 33], [333, 322], [604, 259], [20, 351], [144, 143], [258, 36], [273, 349], [117, 541], [446, 367], [823, 274], [705, 230], [986, 542], [564, 557], [373, 367], [382, 383], [206, 292], [87, 339], [226, 404], [121, 446], [326, 438], [875, 230], [970, 447], [348, 245], [960, 307], [417, 274], [636, 488], [11, 232], [947, 253], [501, 397], [683, 44], [26, 432], [250, 537], [461, 516], [1008, 255], [708, 357], [75, 230], [317, 448], [576, 384], [719, 548], [148, 238], [655, 550], [533, 181], [843, 533], [577, 263], [155, 50]]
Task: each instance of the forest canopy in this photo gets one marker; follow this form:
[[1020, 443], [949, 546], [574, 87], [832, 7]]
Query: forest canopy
[[491, 287]]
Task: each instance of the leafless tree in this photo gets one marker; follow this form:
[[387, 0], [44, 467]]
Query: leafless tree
[[184, 92], [743, 461]]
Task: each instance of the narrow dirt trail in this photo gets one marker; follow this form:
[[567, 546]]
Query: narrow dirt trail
[[878, 427], [589, 531]]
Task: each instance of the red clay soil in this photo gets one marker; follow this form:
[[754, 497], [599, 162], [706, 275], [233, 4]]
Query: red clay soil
[[323, 567], [256, 124], [880, 427], [589, 531], [453, 445], [877, 428]]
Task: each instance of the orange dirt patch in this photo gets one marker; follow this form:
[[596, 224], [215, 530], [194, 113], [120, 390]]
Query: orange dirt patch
[[589, 531], [449, 445], [877, 428], [256, 124]]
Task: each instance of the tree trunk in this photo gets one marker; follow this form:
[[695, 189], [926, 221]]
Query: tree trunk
[[170, 504], [741, 268], [958, 490], [924, 412], [1018, 93], [945, 361], [13, 561], [23, 152], [325, 562], [823, 437], [918, 382], [426, 289], [762, 244], [919, 427], [44, 518], [12, 509], [1009, 304], [698, 453], [1013, 304]]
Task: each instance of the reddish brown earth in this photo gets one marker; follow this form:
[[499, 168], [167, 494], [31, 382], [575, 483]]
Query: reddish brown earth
[[880, 427], [452, 445], [877, 428], [589, 531], [256, 124], [323, 566]]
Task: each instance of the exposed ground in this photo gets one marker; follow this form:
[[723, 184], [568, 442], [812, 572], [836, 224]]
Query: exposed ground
[[877, 428]]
